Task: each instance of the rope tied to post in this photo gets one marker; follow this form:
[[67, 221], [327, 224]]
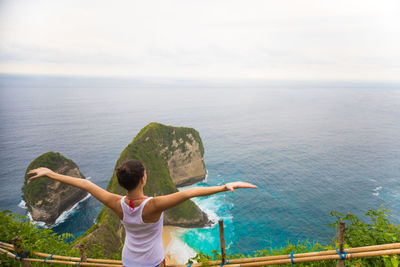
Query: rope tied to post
[[49, 258], [19, 257], [227, 262], [291, 257], [343, 255]]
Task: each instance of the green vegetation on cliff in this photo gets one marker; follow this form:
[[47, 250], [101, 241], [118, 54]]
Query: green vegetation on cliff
[[36, 189], [152, 146], [36, 239]]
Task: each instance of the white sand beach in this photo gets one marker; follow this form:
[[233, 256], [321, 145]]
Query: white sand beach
[[176, 251]]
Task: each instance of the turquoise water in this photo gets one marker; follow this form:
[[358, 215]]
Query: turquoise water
[[310, 147]]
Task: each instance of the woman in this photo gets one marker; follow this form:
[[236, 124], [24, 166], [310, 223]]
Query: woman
[[141, 216]]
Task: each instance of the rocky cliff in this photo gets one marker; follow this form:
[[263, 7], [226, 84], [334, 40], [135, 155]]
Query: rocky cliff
[[45, 198], [172, 156], [186, 165]]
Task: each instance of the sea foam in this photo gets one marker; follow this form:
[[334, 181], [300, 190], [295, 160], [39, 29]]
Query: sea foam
[[205, 177], [210, 205], [376, 191], [22, 205]]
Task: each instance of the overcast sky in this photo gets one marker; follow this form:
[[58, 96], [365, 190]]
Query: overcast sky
[[225, 39]]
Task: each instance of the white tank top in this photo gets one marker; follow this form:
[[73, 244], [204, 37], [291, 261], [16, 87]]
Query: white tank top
[[143, 245]]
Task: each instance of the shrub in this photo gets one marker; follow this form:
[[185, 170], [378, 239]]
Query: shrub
[[378, 230], [34, 239]]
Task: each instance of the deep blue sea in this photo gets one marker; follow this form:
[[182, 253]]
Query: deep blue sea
[[311, 147]]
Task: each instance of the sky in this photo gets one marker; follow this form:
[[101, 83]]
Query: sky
[[216, 39]]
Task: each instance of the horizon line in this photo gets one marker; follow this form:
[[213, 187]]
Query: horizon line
[[222, 80]]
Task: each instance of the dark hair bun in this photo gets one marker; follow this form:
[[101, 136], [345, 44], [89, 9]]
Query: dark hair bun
[[122, 170], [129, 173]]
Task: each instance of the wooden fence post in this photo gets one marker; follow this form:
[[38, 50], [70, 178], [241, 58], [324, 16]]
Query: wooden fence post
[[20, 251], [83, 252], [342, 227], [222, 241]]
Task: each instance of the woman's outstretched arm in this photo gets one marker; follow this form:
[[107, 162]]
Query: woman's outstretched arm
[[152, 211], [109, 199]]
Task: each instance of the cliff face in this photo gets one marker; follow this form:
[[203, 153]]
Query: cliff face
[[186, 165], [45, 198], [165, 151]]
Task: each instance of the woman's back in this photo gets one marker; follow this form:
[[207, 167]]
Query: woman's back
[[143, 243]]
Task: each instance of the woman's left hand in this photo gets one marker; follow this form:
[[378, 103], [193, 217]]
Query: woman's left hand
[[234, 185]]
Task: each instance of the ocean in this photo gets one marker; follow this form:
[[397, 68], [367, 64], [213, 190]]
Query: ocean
[[311, 147]]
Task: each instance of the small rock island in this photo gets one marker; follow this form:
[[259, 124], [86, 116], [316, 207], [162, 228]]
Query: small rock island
[[45, 198], [172, 156]]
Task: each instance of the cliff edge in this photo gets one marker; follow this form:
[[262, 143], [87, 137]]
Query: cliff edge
[[172, 156], [45, 198]]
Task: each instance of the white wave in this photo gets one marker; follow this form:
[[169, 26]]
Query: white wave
[[376, 191], [210, 211], [212, 216], [210, 205], [63, 216], [229, 245], [22, 205], [89, 178], [178, 249], [38, 223], [206, 177], [378, 188]]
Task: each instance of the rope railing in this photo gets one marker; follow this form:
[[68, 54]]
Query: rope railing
[[57, 259], [386, 249], [350, 253], [306, 258], [340, 255]]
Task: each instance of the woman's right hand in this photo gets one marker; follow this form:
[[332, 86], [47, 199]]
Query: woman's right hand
[[234, 185], [40, 172]]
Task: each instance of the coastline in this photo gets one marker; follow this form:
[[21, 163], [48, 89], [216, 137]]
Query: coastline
[[61, 218], [176, 251]]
